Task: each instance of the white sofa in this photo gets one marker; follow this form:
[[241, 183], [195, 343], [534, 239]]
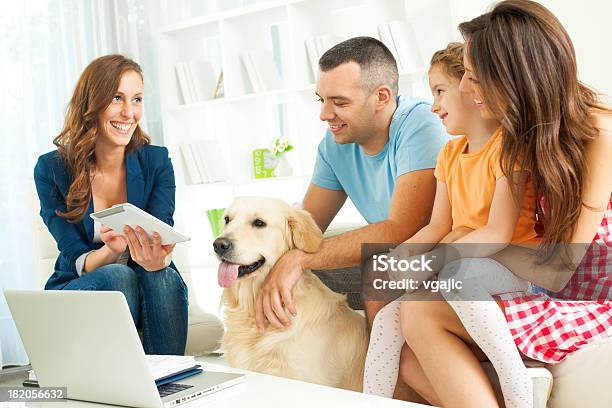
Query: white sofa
[[204, 329], [584, 378]]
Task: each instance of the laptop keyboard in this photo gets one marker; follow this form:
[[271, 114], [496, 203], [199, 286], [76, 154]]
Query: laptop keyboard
[[171, 388]]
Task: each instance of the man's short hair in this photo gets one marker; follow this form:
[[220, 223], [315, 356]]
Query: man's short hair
[[377, 64]]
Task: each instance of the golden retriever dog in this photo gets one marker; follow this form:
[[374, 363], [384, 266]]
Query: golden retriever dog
[[326, 342]]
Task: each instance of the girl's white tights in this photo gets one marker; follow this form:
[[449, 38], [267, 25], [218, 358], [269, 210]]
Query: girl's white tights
[[480, 315]]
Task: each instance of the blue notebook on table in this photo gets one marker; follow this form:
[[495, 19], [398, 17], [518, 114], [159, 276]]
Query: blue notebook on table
[[188, 372]]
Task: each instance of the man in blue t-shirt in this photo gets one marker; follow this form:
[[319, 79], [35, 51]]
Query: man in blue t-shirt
[[380, 150]]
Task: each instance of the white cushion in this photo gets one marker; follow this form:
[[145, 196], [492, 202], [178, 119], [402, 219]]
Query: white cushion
[[45, 244], [44, 269], [203, 333], [540, 377], [583, 379]]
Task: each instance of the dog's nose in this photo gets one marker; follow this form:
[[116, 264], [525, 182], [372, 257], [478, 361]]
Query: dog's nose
[[222, 245]]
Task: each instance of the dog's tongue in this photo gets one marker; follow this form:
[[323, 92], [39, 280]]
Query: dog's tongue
[[227, 274]]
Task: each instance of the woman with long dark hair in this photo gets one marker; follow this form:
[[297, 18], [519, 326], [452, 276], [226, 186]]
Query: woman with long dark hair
[[521, 70], [104, 158]]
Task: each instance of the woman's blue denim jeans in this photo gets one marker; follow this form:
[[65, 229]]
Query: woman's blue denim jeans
[[157, 302]]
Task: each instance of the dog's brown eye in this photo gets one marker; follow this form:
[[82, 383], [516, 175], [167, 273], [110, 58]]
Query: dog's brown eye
[[259, 223], [226, 220]]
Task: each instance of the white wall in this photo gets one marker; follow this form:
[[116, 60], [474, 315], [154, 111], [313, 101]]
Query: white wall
[[589, 24]]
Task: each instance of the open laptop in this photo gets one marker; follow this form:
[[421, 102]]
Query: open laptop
[[86, 341]]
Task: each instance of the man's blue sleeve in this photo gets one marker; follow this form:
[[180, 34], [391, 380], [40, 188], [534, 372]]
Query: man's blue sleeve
[[323, 174], [421, 136]]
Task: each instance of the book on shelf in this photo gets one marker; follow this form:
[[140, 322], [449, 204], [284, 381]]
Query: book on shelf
[[406, 45], [261, 70], [264, 163], [249, 68], [181, 79], [200, 161], [320, 45], [204, 162], [190, 164], [384, 34], [164, 369], [280, 40], [399, 37], [196, 80], [313, 58], [204, 79], [219, 91], [315, 48], [210, 157], [267, 70]]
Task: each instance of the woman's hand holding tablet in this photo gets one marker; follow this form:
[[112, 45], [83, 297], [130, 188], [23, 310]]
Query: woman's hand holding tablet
[[122, 215]]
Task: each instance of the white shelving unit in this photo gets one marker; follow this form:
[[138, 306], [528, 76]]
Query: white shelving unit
[[220, 31]]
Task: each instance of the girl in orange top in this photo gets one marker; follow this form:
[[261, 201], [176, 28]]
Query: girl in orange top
[[474, 204], [474, 201]]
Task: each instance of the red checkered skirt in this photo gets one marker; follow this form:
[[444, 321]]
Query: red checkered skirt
[[550, 328]]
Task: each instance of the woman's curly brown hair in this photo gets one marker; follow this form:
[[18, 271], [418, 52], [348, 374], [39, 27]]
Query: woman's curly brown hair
[[93, 93]]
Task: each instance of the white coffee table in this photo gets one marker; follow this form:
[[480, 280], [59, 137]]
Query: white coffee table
[[257, 391], [266, 391]]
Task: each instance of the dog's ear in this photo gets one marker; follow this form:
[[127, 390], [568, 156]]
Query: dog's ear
[[305, 233]]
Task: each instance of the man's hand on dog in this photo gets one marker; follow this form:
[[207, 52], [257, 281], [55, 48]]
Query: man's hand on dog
[[276, 291]]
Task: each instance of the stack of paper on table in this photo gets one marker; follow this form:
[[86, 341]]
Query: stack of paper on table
[[162, 366]]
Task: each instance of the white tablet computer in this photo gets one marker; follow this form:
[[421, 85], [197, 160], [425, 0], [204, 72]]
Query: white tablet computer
[[127, 214]]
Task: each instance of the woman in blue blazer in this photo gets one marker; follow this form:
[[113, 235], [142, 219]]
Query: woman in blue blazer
[[104, 158]]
